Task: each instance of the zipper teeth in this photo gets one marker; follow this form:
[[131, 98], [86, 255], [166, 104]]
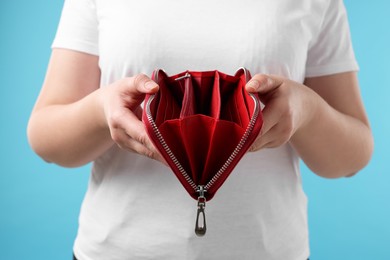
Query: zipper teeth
[[239, 146], [165, 145], [228, 161]]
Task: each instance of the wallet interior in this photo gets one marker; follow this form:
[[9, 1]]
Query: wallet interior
[[202, 117]]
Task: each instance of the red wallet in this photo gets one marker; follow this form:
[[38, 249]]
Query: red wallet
[[202, 123]]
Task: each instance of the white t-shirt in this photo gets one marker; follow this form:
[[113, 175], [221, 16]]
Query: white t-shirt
[[135, 208]]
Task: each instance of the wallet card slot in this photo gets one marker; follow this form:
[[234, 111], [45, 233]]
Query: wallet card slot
[[188, 106], [228, 102], [242, 111], [169, 101], [234, 104], [215, 103], [203, 86], [248, 102]]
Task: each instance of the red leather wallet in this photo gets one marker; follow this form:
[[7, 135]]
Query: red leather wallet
[[202, 123]]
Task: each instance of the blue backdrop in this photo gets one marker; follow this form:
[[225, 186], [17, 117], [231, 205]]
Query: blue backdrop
[[39, 202]]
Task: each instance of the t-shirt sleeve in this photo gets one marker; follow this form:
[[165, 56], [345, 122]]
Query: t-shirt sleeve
[[331, 51], [78, 27]]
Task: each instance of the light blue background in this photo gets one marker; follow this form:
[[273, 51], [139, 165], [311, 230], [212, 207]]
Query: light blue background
[[39, 202]]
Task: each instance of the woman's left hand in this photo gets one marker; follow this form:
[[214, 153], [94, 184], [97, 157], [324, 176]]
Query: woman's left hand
[[324, 121], [288, 106]]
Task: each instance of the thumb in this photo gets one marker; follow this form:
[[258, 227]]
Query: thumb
[[132, 90], [142, 84], [263, 84]]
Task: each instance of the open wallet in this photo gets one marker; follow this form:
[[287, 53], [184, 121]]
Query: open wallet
[[202, 123]]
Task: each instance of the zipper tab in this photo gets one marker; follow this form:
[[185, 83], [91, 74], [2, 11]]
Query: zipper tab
[[200, 225], [187, 75]]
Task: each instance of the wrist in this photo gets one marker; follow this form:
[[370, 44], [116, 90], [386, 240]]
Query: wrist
[[311, 111], [98, 98]]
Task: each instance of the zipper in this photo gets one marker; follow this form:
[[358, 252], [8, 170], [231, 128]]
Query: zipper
[[200, 224], [187, 75]]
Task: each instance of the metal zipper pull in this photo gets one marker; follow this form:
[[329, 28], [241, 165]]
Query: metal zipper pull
[[200, 225], [187, 75]]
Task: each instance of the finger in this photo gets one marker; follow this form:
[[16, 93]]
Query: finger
[[141, 84], [263, 84], [124, 141], [275, 137], [271, 117], [138, 112], [136, 130], [135, 146], [160, 158], [128, 143], [261, 141], [132, 126]]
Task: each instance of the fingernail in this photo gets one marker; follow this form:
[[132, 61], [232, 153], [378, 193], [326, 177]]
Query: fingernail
[[150, 85], [270, 82], [253, 84]]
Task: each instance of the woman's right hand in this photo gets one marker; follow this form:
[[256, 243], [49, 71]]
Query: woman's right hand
[[122, 111], [74, 121]]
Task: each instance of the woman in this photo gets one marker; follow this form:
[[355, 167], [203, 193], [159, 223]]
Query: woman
[[304, 70]]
